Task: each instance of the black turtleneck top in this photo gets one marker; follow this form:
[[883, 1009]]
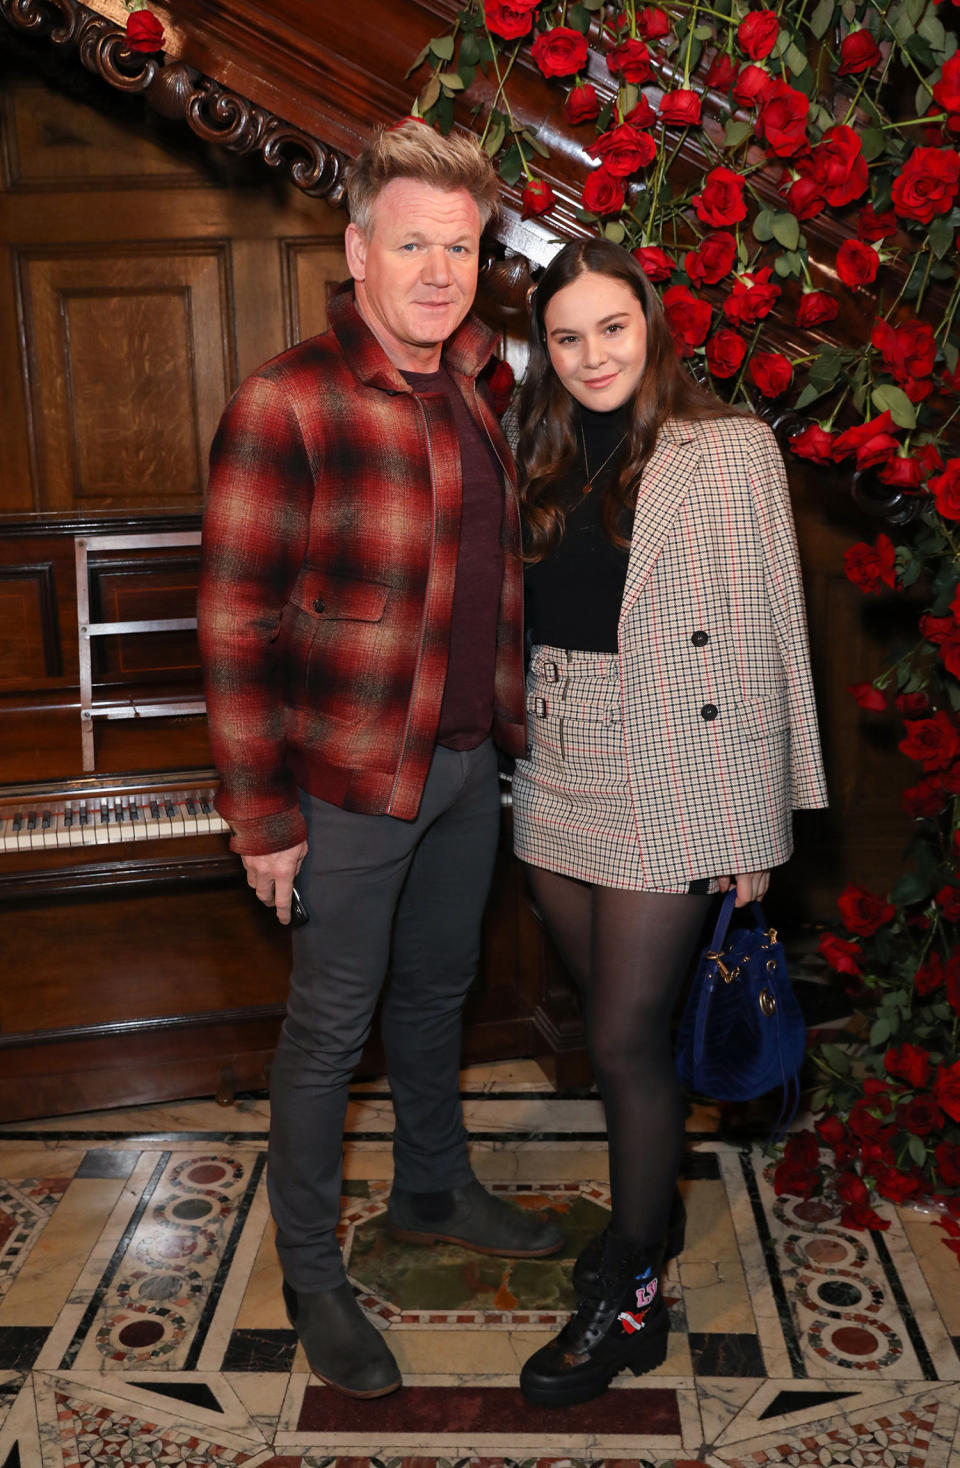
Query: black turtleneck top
[[573, 596]]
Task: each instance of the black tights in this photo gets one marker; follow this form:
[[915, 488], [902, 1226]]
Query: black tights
[[627, 952]]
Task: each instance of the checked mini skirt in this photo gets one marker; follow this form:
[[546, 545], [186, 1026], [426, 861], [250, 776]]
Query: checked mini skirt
[[572, 806]]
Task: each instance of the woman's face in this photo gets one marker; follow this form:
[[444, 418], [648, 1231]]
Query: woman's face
[[597, 340]]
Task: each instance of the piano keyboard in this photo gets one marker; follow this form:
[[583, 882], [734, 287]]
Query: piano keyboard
[[102, 820]]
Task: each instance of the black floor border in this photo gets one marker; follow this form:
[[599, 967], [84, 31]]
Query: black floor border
[[109, 1274], [223, 1268], [903, 1305], [787, 1325]]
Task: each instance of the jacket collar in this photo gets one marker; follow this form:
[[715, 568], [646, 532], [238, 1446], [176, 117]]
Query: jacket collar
[[466, 352]]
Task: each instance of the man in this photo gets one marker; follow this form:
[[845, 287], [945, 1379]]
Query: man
[[361, 633]]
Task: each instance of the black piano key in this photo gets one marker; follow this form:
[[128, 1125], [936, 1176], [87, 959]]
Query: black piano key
[[45, 823], [104, 815], [84, 818], [205, 805], [170, 809], [68, 819], [18, 822], [155, 810], [191, 807], [32, 821]]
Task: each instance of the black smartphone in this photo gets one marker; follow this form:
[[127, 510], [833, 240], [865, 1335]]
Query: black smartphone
[[298, 913]]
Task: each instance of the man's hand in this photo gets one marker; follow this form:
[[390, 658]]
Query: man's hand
[[271, 876], [751, 886]]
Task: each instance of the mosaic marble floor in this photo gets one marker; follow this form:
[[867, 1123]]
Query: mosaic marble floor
[[141, 1321]]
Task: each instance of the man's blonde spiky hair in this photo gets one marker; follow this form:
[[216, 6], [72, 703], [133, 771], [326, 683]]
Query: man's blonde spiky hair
[[413, 150]]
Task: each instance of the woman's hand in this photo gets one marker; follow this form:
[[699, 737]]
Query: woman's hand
[[751, 886]]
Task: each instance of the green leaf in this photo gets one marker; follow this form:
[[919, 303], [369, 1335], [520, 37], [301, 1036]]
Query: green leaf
[[703, 32], [795, 59], [536, 144], [838, 1059], [917, 1149], [872, 143], [911, 572], [895, 400], [763, 226], [922, 98], [452, 81], [940, 236], [629, 96], [614, 230], [809, 395], [826, 366], [909, 888], [932, 30], [821, 18], [494, 139], [736, 132], [578, 16], [594, 4], [951, 355], [913, 9], [511, 165], [420, 59], [820, 1098], [786, 230], [429, 95], [469, 50], [787, 264], [921, 51], [442, 47], [879, 1031]]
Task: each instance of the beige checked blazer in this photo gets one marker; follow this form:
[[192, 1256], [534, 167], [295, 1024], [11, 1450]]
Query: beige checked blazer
[[720, 726]]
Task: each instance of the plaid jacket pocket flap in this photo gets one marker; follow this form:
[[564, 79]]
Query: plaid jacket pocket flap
[[339, 598], [760, 717]]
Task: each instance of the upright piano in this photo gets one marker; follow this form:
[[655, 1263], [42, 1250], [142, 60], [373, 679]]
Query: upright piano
[[136, 963]]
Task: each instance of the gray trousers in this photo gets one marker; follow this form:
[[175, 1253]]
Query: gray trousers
[[379, 892]]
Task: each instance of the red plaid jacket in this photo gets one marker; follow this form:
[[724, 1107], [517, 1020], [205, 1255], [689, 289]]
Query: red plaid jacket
[[330, 547]]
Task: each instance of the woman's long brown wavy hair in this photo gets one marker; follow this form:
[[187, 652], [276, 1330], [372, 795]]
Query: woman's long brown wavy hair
[[547, 445]]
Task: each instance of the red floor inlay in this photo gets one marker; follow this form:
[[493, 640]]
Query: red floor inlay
[[454, 1409]]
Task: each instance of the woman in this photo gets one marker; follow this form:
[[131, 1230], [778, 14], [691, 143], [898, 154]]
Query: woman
[[672, 731]]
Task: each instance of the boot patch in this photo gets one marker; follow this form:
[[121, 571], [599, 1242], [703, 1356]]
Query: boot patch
[[646, 1293], [633, 1320], [630, 1322]]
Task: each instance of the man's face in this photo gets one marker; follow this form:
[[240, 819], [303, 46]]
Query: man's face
[[416, 271]]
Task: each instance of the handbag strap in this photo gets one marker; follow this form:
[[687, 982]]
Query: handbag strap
[[724, 916]]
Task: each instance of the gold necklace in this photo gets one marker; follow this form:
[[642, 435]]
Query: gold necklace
[[586, 462]]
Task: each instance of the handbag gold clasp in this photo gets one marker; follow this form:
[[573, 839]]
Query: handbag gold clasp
[[767, 1002], [717, 958]]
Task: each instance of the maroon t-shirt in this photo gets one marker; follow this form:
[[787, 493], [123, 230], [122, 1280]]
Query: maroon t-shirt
[[466, 713]]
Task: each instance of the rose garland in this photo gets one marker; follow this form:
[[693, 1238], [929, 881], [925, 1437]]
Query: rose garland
[[716, 134]]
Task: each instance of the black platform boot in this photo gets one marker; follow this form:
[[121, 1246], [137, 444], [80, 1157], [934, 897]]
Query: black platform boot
[[621, 1326], [587, 1265]]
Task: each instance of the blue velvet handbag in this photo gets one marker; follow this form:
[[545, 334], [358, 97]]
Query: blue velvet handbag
[[742, 1032]]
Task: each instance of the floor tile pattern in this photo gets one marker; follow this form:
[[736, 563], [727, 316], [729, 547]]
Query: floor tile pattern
[[140, 1318]]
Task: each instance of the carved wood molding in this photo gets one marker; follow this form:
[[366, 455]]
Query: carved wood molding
[[214, 112]]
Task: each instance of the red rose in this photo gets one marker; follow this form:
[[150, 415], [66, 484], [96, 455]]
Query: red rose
[[946, 1089], [872, 226], [868, 697], [924, 799], [751, 87], [654, 262], [929, 976], [802, 1147], [948, 1163], [937, 629], [863, 912], [813, 443], [854, 439], [782, 119], [946, 490], [851, 1189], [561, 51], [537, 197], [582, 104], [870, 566], [500, 381], [722, 73], [912, 704], [895, 1185], [753, 297], [951, 977], [839, 166], [725, 353], [144, 31], [857, 263], [933, 741], [830, 1130], [688, 318], [815, 308], [602, 193], [722, 201], [653, 23], [948, 901], [927, 184], [840, 953], [771, 372], [680, 108], [803, 198], [946, 92], [509, 21], [858, 52], [642, 115], [903, 471], [920, 1116], [757, 33], [712, 260], [630, 61], [624, 150], [795, 1179], [861, 1216], [910, 1064], [908, 350]]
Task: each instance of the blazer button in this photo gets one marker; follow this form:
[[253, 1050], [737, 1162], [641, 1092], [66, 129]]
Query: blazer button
[[319, 604], [700, 639], [709, 711]]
